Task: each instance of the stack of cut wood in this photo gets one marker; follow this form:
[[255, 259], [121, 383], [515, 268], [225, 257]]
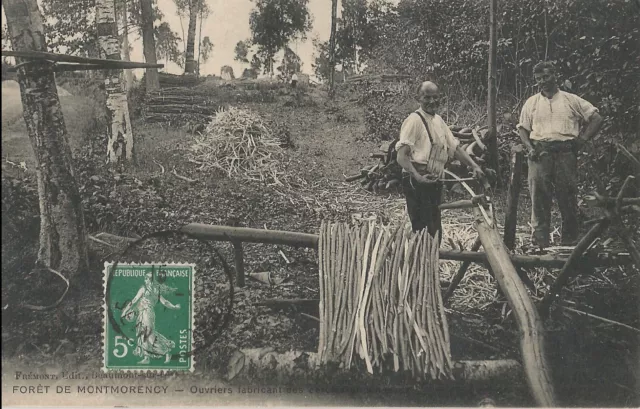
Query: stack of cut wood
[[472, 140], [387, 174], [171, 80], [179, 105], [383, 176], [380, 299]]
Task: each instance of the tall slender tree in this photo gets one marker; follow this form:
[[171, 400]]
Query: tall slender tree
[[149, 44], [191, 8], [332, 46], [120, 133], [63, 245]]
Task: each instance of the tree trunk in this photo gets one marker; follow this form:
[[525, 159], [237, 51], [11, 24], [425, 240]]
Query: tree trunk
[[190, 62], [492, 134], [199, 43], [332, 46], [149, 45], [128, 74], [63, 245], [120, 133]]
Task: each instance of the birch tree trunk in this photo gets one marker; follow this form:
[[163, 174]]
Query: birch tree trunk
[[63, 245], [120, 135], [128, 74], [190, 62], [149, 45]]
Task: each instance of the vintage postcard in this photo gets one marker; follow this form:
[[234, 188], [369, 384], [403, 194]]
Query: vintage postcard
[[398, 203]]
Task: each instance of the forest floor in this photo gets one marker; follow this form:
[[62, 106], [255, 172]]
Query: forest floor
[[594, 364]]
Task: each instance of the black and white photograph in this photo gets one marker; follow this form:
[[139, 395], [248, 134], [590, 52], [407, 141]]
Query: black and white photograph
[[320, 203]]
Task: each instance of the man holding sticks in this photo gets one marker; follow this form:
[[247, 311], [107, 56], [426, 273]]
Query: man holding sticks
[[425, 146], [550, 124]]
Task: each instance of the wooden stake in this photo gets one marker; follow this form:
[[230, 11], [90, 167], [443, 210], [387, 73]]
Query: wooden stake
[[515, 182], [457, 278]]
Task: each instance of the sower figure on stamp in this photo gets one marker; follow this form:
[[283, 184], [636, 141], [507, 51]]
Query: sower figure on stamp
[[149, 342], [550, 124], [425, 146]]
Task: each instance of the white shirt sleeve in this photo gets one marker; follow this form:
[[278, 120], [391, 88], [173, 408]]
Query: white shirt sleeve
[[410, 131], [526, 115]]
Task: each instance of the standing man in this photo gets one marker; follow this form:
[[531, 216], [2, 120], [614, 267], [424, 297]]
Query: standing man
[[550, 124], [425, 146]]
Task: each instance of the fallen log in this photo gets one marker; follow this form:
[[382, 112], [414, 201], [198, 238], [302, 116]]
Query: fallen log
[[536, 368], [257, 362]]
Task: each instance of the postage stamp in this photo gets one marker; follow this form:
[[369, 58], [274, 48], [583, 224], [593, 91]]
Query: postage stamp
[[148, 317]]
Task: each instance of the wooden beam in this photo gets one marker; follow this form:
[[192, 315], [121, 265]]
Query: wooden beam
[[40, 55], [548, 261], [248, 235], [64, 67], [536, 368], [258, 362]]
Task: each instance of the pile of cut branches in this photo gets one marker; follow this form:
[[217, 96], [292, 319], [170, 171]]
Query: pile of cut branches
[[473, 141], [179, 106], [380, 298], [387, 174], [241, 144]]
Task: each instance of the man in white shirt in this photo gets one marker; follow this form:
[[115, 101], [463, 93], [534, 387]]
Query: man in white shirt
[[425, 146], [550, 125]]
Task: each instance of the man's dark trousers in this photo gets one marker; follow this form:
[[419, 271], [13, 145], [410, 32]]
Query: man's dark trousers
[[554, 171], [423, 203]]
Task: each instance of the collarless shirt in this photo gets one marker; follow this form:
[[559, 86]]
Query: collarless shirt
[[558, 118], [414, 134]]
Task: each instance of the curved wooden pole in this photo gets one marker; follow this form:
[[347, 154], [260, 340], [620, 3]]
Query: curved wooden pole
[[536, 368]]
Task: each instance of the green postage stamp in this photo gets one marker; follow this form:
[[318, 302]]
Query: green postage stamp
[[148, 317]]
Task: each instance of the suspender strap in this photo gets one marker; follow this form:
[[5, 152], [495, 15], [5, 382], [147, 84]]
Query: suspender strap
[[424, 121]]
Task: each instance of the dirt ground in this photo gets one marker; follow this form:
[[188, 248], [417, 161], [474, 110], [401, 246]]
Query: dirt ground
[[594, 364]]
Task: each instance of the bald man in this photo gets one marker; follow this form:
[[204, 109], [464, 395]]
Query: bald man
[[425, 146]]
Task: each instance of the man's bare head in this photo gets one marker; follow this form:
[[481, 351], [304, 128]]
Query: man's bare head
[[428, 96], [427, 88]]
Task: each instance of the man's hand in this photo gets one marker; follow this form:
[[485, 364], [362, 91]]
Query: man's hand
[[578, 144], [425, 179], [533, 154]]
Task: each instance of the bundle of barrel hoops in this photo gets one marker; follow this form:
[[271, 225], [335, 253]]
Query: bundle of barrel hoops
[[380, 300]]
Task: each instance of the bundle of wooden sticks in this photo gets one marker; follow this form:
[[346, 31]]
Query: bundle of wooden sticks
[[380, 299]]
